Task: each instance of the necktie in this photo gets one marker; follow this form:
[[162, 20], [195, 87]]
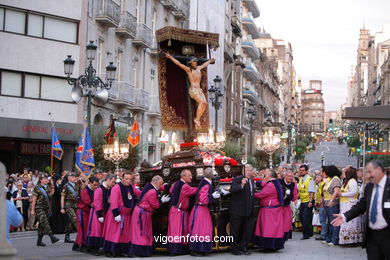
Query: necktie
[[250, 185], [374, 207]]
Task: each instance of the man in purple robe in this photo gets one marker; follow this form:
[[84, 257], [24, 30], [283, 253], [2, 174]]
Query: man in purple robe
[[178, 217]]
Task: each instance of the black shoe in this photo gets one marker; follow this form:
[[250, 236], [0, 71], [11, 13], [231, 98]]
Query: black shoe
[[236, 252], [304, 238], [53, 238], [320, 238], [39, 242], [245, 252], [67, 239]]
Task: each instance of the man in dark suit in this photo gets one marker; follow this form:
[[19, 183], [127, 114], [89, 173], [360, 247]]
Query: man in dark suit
[[241, 211], [376, 206]]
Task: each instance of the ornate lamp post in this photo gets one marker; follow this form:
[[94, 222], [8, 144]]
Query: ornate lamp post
[[251, 118], [269, 142], [116, 152], [89, 85], [215, 98]]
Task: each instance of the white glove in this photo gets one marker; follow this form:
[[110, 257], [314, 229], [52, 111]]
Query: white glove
[[216, 195], [224, 192], [101, 220], [165, 198], [288, 192], [118, 218]]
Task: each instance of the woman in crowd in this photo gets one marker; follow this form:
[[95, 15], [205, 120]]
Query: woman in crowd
[[350, 232], [21, 201], [331, 202], [31, 219]]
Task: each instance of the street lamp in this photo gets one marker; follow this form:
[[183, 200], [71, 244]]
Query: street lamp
[[289, 128], [269, 142], [215, 98], [89, 85], [251, 118]]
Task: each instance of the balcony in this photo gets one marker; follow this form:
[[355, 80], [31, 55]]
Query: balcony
[[122, 93], [182, 10], [252, 6], [170, 4], [154, 108], [249, 46], [142, 100], [109, 13], [144, 36], [249, 92], [128, 26], [251, 71], [250, 25]]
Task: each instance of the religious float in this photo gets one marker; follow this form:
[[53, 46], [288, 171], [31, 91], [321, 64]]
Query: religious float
[[178, 110]]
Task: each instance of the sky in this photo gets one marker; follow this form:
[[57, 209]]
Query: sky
[[324, 37]]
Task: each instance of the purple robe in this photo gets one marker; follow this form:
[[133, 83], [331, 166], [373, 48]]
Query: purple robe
[[141, 222], [269, 232], [100, 206], [179, 215], [82, 218], [200, 223], [118, 234]]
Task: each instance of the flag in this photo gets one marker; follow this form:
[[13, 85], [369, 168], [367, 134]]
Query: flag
[[85, 159], [56, 148], [134, 135], [110, 133]]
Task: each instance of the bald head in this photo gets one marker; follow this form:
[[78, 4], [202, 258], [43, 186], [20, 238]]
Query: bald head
[[186, 175], [208, 173]]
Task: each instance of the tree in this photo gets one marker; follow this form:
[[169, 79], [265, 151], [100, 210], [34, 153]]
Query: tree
[[97, 134]]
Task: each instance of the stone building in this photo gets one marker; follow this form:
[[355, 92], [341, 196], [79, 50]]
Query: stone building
[[125, 33], [312, 110]]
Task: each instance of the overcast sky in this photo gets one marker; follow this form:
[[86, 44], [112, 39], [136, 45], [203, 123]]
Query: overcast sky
[[324, 37]]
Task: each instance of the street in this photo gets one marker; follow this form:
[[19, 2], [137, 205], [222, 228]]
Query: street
[[294, 249], [333, 154]]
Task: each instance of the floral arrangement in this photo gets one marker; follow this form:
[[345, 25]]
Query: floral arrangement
[[218, 159], [191, 144]]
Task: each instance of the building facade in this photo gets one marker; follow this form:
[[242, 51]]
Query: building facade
[[33, 88], [125, 34], [313, 109]]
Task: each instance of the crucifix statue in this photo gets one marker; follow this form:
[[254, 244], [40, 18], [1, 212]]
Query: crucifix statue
[[194, 77]]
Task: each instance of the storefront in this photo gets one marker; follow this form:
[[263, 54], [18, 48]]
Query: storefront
[[27, 144]]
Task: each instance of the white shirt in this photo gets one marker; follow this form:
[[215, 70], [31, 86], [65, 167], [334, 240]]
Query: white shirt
[[352, 189], [380, 220]]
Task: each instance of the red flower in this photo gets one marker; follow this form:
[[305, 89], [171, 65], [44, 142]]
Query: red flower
[[183, 145]]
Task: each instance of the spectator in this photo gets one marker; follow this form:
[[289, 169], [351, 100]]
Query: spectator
[[331, 201], [320, 205], [21, 201], [351, 232], [35, 177], [31, 218]]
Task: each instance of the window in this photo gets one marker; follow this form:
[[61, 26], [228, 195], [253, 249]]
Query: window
[[31, 86], [35, 25], [1, 18], [62, 30], [11, 83], [55, 89], [99, 59], [118, 66], [38, 25], [14, 21]]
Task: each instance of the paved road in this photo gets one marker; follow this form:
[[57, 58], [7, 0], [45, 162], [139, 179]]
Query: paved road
[[294, 249], [334, 154]]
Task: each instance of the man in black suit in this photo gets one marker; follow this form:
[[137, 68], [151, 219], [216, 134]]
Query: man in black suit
[[376, 206], [241, 211]]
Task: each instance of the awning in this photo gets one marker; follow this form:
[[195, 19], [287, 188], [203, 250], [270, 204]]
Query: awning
[[186, 35], [379, 114]]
